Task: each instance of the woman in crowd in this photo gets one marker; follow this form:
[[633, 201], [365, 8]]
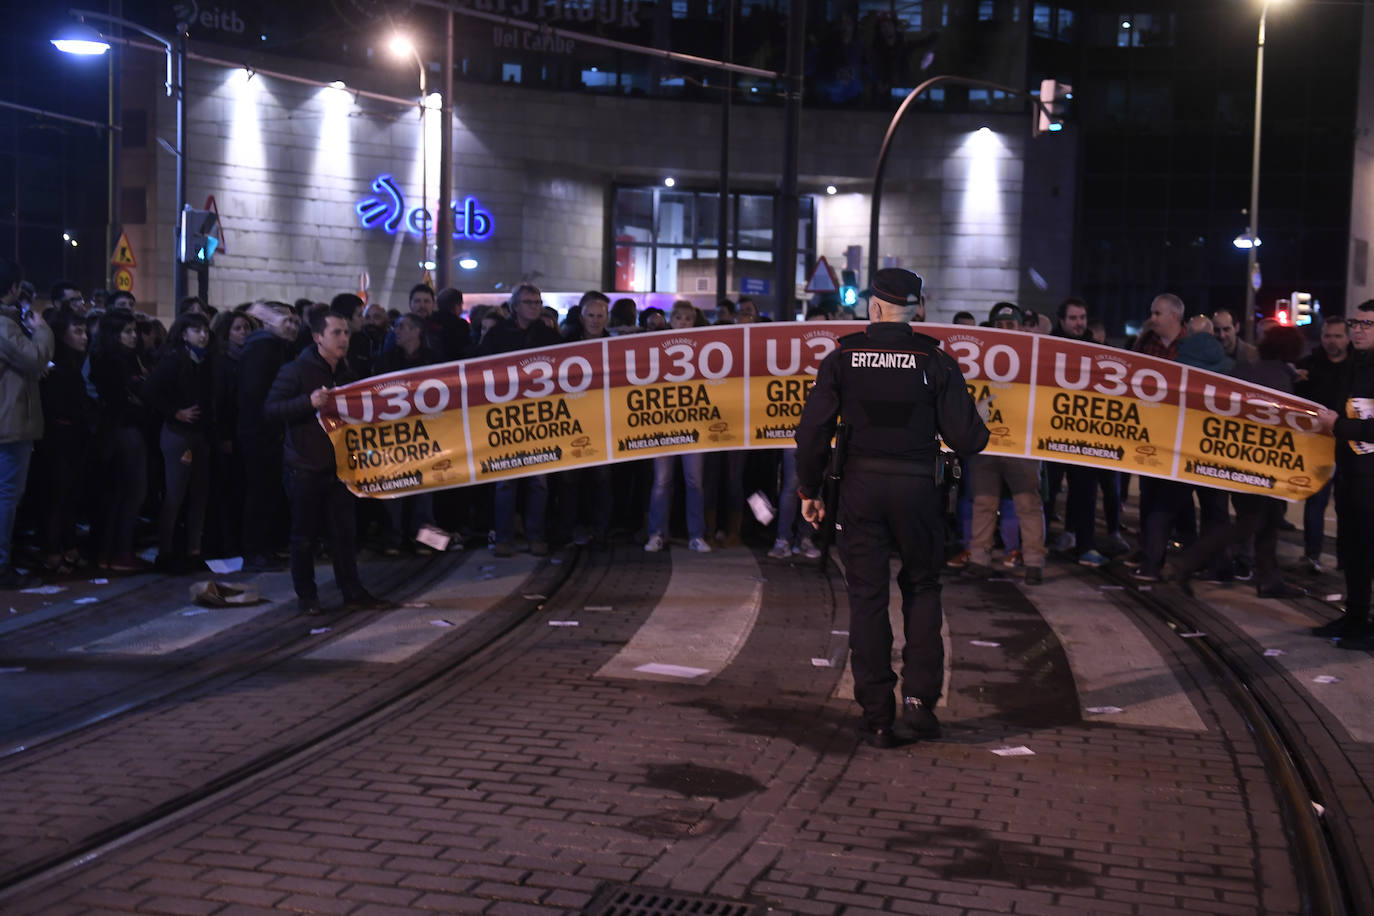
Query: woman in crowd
[[181, 391], [68, 419], [118, 374]]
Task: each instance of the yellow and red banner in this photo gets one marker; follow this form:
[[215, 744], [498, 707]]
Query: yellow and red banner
[[743, 386]]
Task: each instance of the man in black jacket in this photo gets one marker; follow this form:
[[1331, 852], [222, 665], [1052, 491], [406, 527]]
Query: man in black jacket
[[523, 331], [1321, 378], [321, 505], [1353, 427]]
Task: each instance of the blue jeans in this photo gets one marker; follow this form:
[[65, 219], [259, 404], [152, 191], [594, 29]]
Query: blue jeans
[[14, 472], [788, 501], [661, 501], [536, 503]]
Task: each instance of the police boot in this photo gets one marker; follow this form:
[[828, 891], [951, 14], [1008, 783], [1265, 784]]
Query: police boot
[[919, 716]]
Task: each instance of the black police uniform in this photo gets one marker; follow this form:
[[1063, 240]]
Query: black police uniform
[[895, 390]]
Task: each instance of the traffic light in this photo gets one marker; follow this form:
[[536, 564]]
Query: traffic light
[[1283, 313], [199, 236], [1303, 307], [849, 288], [1054, 105]]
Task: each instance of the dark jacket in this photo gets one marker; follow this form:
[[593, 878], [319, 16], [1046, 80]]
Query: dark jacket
[[896, 390], [118, 377], [68, 412], [395, 359], [578, 333], [455, 336], [264, 353], [1353, 434], [227, 366], [507, 337], [1325, 381], [179, 381], [307, 446]]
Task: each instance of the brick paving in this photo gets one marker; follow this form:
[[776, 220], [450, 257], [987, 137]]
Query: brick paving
[[527, 784]]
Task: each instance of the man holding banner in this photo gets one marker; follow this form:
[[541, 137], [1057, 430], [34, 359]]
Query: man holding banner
[[896, 390]]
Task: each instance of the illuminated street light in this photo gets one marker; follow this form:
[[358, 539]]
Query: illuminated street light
[[402, 47], [1246, 241], [77, 39], [669, 182]]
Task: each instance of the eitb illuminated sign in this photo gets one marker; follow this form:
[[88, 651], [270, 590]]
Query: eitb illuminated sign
[[388, 212]]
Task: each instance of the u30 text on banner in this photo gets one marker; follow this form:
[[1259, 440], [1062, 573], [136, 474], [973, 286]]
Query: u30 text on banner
[[706, 389]]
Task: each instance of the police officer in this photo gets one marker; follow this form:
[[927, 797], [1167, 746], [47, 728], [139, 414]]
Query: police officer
[[895, 390]]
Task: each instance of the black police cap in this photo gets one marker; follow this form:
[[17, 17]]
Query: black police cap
[[897, 286]]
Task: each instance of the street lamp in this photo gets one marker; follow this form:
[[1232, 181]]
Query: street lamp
[[402, 47], [1250, 240], [85, 40]]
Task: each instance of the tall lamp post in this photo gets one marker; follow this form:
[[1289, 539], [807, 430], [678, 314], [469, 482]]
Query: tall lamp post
[[402, 47], [1251, 240], [84, 40]]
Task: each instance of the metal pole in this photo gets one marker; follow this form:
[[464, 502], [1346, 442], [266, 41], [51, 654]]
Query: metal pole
[[723, 208], [788, 210], [444, 226], [881, 167], [424, 170], [1254, 183], [178, 269], [111, 171]]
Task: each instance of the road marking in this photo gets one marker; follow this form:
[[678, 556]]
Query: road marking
[[1112, 661], [1278, 625], [462, 596], [701, 622]]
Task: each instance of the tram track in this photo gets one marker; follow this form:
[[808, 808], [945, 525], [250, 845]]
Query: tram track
[[1329, 861], [305, 741]]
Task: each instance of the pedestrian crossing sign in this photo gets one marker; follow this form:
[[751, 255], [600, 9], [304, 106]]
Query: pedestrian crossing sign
[[123, 254], [823, 279]]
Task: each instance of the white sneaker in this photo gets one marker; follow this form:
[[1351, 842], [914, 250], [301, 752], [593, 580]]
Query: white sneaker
[[699, 545], [654, 544], [781, 549], [808, 549]]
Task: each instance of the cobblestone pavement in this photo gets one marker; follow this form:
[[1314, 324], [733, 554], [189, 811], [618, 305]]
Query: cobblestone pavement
[[527, 781]]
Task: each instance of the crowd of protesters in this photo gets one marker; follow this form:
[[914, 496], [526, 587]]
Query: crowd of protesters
[[119, 434]]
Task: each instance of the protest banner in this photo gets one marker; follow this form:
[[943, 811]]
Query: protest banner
[[744, 386]]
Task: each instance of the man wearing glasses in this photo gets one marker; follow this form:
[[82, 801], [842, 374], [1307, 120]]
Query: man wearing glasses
[[1353, 427], [66, 295]]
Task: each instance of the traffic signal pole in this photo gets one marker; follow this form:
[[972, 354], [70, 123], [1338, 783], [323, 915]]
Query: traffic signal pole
[[789, 203], [883, 151]]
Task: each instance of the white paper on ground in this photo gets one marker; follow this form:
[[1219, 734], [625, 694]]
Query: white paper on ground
[[563, 623], [1273, 653], [1019, 750], [43, 590], [672, 670], [1319, 809], [1194, 635], [416, 604], [225, 565], [1335, 597], [821, 662], [440, 623], [85, 601], [985, 643], [1104, 710], [535, 597], [318, 630], [1326, 679], [839, 632], [195, 612], [11, 670], [100, 581], [433, 537]]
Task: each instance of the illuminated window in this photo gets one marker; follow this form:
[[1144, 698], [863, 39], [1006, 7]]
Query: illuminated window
[[655, 229]]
